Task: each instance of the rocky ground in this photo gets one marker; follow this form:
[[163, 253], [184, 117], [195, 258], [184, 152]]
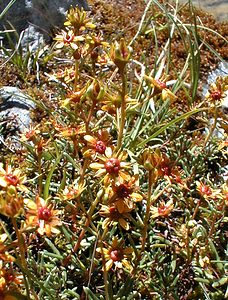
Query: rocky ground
[[116, 19]]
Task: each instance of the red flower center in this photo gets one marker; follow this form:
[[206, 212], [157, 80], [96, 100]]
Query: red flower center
[[216, 95], [12, 179], [68, 38], [166, 170], [44, 213], [116, 255], [205, 190], [112, 166], [161, 84], [162, 210], [123, 191], [100, 147]]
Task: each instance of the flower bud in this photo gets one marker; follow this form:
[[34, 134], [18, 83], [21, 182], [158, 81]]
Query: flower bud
[[95, 91], [120, 54]]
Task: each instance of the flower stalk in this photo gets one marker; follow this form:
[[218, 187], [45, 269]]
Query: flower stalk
[[122, 117]]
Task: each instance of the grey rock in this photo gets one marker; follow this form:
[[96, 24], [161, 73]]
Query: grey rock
[[15, 109], [43, 14]]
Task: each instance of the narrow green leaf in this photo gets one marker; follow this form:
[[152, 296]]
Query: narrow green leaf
[[178, 119], [48, 180], [90, 294]]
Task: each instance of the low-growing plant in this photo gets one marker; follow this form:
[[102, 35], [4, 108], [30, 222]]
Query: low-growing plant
[[118, 193]]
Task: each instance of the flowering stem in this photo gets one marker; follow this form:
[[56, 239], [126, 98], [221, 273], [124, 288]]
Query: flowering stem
[[40, 177], [212, 127], [22, 254], [82, 234], [76, 74], [90, 116], [122, 111], [147, 214], [105, 273]]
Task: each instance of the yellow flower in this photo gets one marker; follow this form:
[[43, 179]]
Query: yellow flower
[[113, 216], [11, 204], [225, 193], [160, 88], [162, 167], [68, 39], [30, 134], [4, 254], [77, 18], [163, 210], [120, 54], [111, 166], [40, 214], [112, 102], [12, 178], [115, 254], [73, 191], [70, 131]]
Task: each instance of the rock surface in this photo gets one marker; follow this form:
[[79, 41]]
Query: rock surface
[[15, 109], [43, 14]]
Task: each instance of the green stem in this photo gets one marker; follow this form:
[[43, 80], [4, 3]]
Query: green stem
[[122, 111]]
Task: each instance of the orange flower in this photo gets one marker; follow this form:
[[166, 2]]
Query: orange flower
[[163, 210], [123, 195], [111, 166], [113, 216], [9, 281], [71, 131], [97, 144], [43, 216], [206, 191], [74, 97], [217, 91], [115, 254], [162, 167]]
